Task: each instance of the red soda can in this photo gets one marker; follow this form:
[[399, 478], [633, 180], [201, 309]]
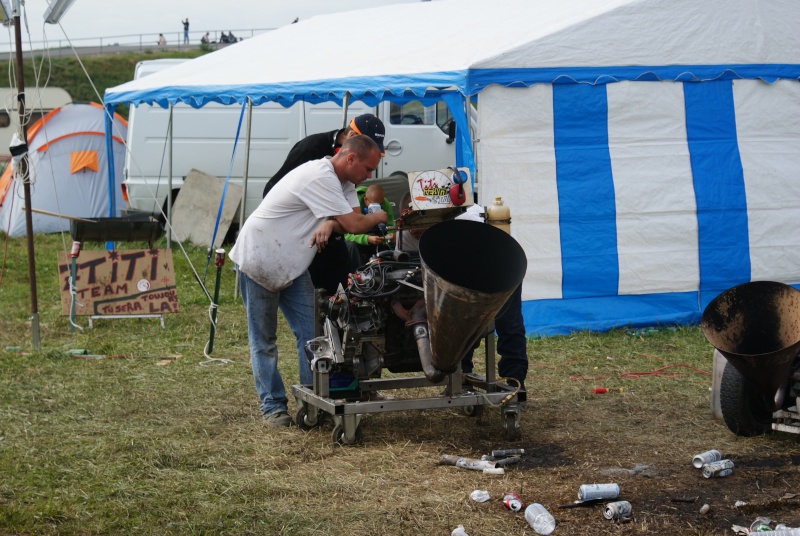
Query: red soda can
[[76, 249], [512, 502]]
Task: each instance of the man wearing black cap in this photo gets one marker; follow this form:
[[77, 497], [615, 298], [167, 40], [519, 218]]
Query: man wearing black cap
[[331, 266], [324, 144]]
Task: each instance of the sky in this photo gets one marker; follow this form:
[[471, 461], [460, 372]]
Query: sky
[[112, 19]]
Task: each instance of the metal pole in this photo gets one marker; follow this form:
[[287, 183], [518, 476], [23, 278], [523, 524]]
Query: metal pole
[[345, 106], [219, 261], [242, 207], [169, 181], [76, 250], [25, 172]]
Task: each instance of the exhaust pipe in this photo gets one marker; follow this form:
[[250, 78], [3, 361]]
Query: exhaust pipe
[[418, 318]]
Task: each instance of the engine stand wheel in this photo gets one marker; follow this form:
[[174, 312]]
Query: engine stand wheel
[[338, 438], [473, 411], [745, 410], [305, 420], [511, 425]]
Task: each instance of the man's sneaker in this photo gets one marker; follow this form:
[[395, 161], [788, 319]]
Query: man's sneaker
[[279, 419]]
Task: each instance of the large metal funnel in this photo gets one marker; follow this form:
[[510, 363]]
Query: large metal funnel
[[756, 326], [469, 271]]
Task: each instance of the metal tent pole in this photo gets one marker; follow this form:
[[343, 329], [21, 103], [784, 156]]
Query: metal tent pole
[[25, 172], [169, 181], [242, 207]]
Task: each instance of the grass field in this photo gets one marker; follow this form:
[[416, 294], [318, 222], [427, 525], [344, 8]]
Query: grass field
[[136, 443]]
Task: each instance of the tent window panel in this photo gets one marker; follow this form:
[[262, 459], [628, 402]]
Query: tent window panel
[[81, 160], [654, 193], [767, 119], [523, 167], [5, 120], [719, 185]]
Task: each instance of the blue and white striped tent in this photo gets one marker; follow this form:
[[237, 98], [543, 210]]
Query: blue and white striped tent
[[648, 149]]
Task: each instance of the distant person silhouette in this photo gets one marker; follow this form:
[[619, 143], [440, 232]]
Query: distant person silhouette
[[185, 30], [162, 41]]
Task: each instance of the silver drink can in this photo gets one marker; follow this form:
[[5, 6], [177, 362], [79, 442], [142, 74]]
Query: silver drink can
[[617, 510], [708, 456], [373, 207], [718, 469], [592, 492]]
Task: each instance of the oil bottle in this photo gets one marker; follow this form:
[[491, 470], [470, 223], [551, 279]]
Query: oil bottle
[[499, 215]]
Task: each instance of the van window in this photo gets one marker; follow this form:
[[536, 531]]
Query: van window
[[443, 116], [414, 113], [411, 113]]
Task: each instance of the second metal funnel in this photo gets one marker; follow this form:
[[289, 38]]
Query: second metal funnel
[[756, 326]]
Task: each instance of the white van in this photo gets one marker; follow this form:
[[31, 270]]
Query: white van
[[38, 102], [203, 138]]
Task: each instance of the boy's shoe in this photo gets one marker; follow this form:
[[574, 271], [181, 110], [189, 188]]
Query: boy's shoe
[[279, 419]]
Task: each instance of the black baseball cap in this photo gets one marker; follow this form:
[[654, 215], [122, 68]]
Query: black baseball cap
[[370, 125]]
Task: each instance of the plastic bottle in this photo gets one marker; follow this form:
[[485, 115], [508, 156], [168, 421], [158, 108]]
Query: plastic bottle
[[540, 519], [499, 215]]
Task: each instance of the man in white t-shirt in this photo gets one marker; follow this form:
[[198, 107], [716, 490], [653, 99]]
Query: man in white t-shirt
[[275, 248]]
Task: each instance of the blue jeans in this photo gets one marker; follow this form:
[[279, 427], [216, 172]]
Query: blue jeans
[[296, 302]]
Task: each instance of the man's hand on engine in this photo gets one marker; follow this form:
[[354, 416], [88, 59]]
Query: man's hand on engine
[[322, 234]]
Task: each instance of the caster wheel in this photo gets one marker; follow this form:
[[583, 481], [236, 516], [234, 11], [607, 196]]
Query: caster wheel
[[338, 438], [473, 411], [511, 426], [305, 421]]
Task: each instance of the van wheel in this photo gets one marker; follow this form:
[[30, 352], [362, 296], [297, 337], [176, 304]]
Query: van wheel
[[745, 410]]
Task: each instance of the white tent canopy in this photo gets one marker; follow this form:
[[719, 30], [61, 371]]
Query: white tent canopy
[[646, 148], [386, 51]]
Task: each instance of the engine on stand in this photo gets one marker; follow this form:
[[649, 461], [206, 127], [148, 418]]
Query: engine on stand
[[363, 334], [411, 312]]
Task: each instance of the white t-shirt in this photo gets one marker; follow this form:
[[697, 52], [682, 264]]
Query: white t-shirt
[[273, 244]]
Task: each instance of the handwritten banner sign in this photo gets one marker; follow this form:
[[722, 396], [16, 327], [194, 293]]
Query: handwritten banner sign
[[133, 282]]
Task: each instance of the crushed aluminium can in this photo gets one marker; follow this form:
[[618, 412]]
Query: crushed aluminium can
[[593, 492], [708, 456], [617, 510], [718, 469], [512, 502]]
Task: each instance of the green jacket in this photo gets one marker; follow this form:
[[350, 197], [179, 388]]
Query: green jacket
[[386, 205]]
